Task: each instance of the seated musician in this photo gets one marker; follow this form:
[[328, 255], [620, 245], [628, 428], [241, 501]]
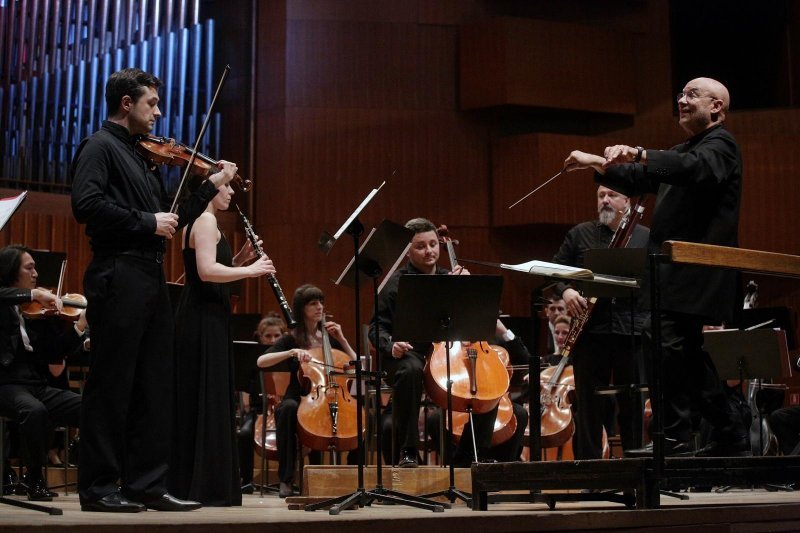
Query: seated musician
[[26, 348], [308, 307], [404, 362], [269, 330], [554, 309]]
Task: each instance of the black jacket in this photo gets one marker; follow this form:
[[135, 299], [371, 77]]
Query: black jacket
[[699, 186]]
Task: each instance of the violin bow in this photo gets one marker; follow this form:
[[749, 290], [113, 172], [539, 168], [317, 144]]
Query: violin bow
[[539, 187], [199, 138]]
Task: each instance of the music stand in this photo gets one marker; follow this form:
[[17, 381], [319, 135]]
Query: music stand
[[446, 309], [389, 244]]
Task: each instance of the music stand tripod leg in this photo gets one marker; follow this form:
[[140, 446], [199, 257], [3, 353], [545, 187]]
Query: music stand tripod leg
[[451, 492]]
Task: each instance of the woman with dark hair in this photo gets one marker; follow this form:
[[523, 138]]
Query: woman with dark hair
[[26, 346], [308, 306], [205, 465]]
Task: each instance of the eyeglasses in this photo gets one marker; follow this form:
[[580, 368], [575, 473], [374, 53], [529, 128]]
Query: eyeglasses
[[691, 94]]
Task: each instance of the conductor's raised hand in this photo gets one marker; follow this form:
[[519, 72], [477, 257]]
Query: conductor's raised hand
[[578, 160], [166, 224], [619, 154]]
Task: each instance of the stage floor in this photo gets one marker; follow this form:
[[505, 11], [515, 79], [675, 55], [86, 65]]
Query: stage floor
[[737, 510]]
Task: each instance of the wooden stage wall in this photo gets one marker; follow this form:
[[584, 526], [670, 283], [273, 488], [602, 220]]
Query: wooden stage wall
[[462, 107]]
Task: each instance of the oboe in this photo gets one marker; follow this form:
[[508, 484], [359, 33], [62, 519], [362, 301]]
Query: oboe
[[273, 281]]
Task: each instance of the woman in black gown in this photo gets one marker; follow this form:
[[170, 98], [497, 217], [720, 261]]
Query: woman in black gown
[[308, 306], [205, 465]]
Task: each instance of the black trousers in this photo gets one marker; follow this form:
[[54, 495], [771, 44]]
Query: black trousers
[[128, 402], [690, 381], [595, 360], [405, 377], [38, 409], [785, 423], [286, 438]]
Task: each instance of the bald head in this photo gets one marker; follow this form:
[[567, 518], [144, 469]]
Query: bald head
[[703, 103], [714, 88]]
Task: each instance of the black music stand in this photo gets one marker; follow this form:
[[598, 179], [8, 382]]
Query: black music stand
[[384, 246], [446, 309]]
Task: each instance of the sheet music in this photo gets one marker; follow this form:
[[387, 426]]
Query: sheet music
[[355, 213], [550, 269], [9, 205]]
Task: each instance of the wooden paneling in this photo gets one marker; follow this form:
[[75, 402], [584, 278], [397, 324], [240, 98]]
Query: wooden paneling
[[370, 65], [523, 162], [546, 64]]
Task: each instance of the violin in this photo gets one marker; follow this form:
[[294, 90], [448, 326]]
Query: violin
[[73, 304], [479, 376], [167, 151], [327, 415]]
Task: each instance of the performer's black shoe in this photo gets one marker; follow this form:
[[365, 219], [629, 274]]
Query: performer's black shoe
[[38, 492], [672, 448], [285, 490], [408, 459], [113, 503], [248, 489], [737, 447], [168, 502]]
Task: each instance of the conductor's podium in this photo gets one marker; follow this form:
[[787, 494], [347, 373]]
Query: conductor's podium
[[638, 482], [632, 482]]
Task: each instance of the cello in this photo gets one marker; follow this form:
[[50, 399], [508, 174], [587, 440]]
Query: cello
[[505, 424], [327, 415], [479, 377]]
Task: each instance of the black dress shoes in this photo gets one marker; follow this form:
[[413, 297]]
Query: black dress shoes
[[732, 448], [285, 490], [408, 459], [672, 448], [38, 492], [168, 502], [113, 503]]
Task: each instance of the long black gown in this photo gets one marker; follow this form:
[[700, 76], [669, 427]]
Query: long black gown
[[205, 465]]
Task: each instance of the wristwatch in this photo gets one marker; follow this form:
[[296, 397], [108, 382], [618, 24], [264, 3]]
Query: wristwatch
[[638, 157]]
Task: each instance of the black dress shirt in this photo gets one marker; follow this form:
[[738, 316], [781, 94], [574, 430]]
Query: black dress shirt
[[116, 193], [699, 186]]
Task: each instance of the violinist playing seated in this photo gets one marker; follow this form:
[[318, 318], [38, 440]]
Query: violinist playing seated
[[26, 348], [308, 304]]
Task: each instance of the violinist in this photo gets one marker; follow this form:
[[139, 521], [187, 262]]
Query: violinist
[[555, 307], [308, 306], [205, 463], [26, 348], [404, 362], [121, 199], [698, 186], [604, 347]]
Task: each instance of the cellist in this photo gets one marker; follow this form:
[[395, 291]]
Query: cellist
[[404, 362], [308, 305], [604, 347]]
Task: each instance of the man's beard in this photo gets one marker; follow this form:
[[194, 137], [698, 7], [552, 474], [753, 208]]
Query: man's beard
[[606, 216]]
